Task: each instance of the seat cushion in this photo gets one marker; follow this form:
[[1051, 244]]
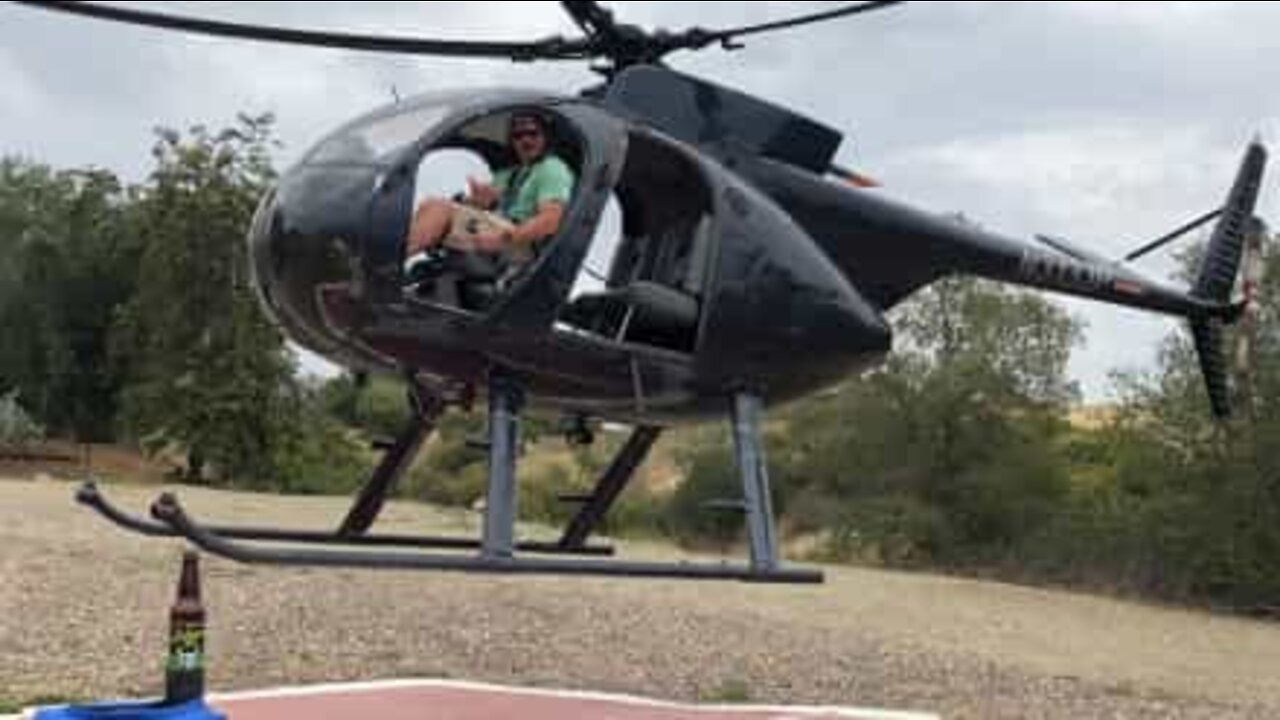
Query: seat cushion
[[660, 306], [651, 313]]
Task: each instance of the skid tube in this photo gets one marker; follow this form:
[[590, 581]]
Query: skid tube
[[168, 511], [89, 496]]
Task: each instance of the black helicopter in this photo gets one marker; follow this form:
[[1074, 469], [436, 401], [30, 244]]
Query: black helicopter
[[749, 270]]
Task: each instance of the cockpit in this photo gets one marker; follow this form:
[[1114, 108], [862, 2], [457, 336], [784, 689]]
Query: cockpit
[[491, 197], [629, 262], [643, 275]]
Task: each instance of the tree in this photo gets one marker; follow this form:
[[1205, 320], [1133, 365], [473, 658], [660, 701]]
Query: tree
[[1016, 336], [962, 427], [1209, 492], [947, 454], [376, 405], [207, 372], [73, 265]]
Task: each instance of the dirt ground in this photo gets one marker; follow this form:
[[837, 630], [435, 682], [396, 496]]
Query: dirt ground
[[61, 459], [83, 612]]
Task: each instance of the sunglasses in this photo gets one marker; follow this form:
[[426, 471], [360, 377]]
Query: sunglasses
[[522, 134]]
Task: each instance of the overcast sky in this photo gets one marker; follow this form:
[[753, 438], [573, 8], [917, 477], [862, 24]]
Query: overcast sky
[[1105, 122]]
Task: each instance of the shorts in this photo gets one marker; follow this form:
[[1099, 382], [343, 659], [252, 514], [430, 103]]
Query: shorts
[[466, 222]]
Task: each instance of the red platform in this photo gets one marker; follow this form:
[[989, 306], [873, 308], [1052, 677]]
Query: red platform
[[440, 700]]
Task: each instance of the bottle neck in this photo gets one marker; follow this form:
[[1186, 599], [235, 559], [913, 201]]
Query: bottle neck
[[189, 581]]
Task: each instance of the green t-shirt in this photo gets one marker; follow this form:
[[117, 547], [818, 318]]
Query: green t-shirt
[[522, 190]]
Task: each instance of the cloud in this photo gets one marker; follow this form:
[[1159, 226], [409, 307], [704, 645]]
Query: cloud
[[1110, 188], [1107, 181], [26, 103]]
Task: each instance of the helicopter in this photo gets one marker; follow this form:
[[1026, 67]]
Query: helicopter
[[749, 270]]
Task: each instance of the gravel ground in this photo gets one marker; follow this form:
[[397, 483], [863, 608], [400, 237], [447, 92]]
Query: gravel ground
[[83, 612]]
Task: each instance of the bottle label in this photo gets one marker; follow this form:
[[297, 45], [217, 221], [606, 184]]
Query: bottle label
[[186, 649]]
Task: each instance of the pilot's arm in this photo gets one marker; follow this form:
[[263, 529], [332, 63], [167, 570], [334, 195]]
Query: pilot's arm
[[542, 225], [552, 186]]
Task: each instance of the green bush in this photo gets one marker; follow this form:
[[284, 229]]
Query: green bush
[[377, 406], [638, 514], [896, 530], [16, 427], [729, 691], [539, 494], [320, 458], [453, 475], [451, 472], [710, 477], [383, 408]]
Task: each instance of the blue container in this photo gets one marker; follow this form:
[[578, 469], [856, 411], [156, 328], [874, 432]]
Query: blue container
[[193, 710]]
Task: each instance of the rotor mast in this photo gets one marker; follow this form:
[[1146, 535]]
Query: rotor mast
[[622, 45]]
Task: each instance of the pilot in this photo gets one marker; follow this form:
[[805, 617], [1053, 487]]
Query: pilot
[[522, 207]]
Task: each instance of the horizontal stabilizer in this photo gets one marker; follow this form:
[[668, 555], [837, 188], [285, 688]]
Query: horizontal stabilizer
[[1072, 250]]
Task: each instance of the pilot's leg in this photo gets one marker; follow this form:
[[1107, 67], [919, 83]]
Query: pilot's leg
[[430, 223]]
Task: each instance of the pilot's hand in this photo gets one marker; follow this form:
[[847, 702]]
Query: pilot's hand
[[481, 194], [489, 241]]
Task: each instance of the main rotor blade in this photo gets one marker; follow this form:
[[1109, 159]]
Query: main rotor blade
[[551, 48], [589, 16], [726, 35]]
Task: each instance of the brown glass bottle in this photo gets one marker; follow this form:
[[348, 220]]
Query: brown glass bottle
[[184, 668]]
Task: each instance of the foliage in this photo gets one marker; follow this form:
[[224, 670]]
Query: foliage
[[947, 456], [1205, 495], [639, 514], [542, 489], [16, 427], [453, 472], [698, 512], [70, 264], [314, 454], [732, 690], [127, 314], [377, 406], [206, 371]]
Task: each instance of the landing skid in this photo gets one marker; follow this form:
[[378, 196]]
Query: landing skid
[[497, 550], [90, 496], [170, 512]]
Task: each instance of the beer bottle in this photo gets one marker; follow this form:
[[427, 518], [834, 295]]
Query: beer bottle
[[184, 669]]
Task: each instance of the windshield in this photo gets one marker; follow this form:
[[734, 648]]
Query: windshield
[[379, 137], [375, 140]]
